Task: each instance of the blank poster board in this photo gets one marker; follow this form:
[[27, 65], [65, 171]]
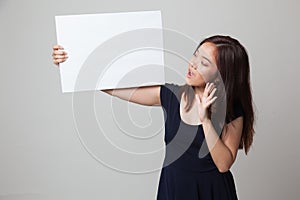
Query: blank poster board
[[111, 50]]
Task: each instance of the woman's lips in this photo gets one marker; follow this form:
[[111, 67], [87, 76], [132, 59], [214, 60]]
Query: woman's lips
[[189, 74]]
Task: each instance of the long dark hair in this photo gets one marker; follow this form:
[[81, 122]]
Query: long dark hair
[[233, 65]]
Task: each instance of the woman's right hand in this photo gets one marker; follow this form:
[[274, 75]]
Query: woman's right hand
[[59, 55], [142, 95]]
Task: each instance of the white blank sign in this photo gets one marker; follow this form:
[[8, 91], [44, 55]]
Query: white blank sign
[[111, 50]]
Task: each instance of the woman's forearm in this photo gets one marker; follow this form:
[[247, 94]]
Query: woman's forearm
[[147, 95], [220, 153]]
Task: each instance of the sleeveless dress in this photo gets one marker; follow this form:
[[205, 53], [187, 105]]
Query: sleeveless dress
[[187, 175]]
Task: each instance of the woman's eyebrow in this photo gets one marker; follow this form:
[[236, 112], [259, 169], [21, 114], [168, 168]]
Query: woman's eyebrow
[[207, 59]]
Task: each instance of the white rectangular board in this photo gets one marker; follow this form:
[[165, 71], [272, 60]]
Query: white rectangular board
[[111, 50]]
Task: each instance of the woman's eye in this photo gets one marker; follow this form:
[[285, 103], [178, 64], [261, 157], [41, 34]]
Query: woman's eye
[[204, 63]]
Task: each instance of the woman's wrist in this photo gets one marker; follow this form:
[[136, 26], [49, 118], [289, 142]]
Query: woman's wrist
[[206, 120]]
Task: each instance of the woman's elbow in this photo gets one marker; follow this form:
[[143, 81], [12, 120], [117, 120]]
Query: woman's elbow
[[223, 169]]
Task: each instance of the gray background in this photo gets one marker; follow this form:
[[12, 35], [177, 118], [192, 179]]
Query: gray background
[[41, 154]]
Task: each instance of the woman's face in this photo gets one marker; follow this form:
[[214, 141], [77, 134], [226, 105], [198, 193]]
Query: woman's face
[[202, 67]]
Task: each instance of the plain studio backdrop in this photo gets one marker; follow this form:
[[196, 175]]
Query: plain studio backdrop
[[47, 150]]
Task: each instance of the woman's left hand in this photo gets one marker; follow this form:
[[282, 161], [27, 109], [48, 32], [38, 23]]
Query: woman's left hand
[[205, 101]]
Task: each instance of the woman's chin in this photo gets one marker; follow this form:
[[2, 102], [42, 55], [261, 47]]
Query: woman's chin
[[187, 81], [190, 83]]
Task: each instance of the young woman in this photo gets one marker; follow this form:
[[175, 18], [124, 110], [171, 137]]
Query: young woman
[[218, 74]]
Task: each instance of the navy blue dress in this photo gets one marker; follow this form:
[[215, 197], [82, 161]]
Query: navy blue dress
[[186, 174]]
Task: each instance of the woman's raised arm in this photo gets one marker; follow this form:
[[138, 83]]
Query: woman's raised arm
[[146, 95]]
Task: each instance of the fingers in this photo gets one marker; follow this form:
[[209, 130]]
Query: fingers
[[57, 47], [210, 91], [59, 52], [57, 61], [212, 101], [59, 55], [59, 58], [208, 88]]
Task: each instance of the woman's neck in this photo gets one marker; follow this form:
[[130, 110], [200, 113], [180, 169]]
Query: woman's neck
[[199, 90]]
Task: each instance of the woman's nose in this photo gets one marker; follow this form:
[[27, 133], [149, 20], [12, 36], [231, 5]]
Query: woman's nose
[[193, 65]]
